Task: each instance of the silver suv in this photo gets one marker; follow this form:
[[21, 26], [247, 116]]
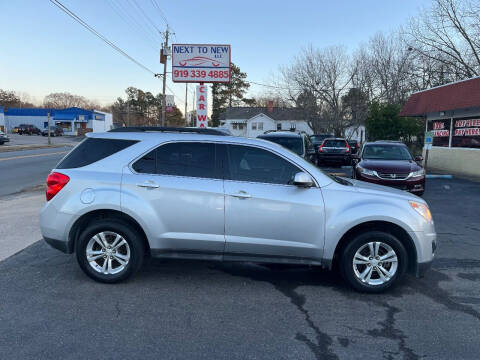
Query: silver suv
[[199, 194]]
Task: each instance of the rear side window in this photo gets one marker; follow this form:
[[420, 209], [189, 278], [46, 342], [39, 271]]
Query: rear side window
[[92, 150], [192, 159]]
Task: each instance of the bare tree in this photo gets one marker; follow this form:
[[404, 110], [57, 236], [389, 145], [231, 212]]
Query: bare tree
[[63, 100], [448, 34], [325, 74]]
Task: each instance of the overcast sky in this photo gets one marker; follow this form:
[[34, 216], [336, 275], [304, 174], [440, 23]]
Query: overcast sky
[[44, 51]]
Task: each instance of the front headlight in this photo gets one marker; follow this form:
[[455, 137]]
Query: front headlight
[[418, 173], [422, 209], [367, 171]]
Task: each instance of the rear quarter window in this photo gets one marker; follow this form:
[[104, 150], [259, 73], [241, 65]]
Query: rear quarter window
[[92, 150]]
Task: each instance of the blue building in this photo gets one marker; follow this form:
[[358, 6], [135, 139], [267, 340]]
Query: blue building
[[72, 120]]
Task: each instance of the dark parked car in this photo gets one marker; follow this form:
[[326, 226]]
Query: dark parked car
[[54, 131], [299, 143], [335, 150], [29, 130], [390, 164], [317, 139], [353, 146], [3, 138]]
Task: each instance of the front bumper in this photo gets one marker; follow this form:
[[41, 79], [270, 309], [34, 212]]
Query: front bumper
[[411, 185]]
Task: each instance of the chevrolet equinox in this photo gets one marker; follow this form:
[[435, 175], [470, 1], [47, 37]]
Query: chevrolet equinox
[[200, 194]]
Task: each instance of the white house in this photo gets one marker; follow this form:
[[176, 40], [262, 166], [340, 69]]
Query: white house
[[253, 121]]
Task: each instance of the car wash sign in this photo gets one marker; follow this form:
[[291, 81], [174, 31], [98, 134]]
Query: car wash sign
[[201, 63], [202, 116]]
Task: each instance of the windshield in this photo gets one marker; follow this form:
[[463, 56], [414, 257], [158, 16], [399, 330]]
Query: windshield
[[294, 144], [386, 152], [334, 143]]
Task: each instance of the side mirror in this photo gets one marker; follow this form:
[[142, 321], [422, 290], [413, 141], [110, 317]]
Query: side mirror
[[418, 158], [302, 179]]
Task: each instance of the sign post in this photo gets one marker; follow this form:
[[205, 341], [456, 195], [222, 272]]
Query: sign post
[[202, 63], [428, 146], [202, 115]]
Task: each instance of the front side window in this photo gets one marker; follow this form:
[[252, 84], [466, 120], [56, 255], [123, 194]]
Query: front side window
[[292, 143], [190, 159], [252, 164]]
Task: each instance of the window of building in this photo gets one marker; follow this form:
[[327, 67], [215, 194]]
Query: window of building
[[248, 163], [241, 126], [466, 133], [235, 127], [441, 132], [293, 126], [260, 126], [254, 126], [279, 126]]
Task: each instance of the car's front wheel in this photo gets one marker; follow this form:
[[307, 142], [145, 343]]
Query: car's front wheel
[[109, 251], [373, 261]]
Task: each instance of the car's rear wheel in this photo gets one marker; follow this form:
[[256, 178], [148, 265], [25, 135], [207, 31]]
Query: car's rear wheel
[[109, 251], [373, 261]]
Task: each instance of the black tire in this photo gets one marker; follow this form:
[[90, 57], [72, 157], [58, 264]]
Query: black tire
[[132, 237], [346, 261]]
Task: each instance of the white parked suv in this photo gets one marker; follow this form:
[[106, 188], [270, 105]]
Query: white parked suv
[[199, 194]]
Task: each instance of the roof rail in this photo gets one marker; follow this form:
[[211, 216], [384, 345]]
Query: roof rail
[[204, 131]]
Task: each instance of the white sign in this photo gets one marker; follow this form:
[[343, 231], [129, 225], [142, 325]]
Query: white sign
[[202, 118], [200, 63], [170, 100]]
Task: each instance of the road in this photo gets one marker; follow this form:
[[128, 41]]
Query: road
[[205, 310], [21, 170]]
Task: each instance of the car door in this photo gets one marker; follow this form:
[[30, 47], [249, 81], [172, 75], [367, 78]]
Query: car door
[[177, 189], [265, 214]]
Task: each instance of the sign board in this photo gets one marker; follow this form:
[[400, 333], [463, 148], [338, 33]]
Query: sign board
[[429, 137], [204, 63], [202, 118]]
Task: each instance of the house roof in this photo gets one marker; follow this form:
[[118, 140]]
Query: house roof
[[278, 113], [457, 95]]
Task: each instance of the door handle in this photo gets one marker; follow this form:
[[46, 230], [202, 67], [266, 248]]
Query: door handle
[[242, 195], [149, 184]]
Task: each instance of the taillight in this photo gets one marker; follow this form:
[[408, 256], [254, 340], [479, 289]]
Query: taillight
[[348, 147], [55, 183], [320, 149]]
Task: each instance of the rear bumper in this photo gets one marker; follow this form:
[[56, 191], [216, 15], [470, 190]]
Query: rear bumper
[[63, 246], [333, 157]]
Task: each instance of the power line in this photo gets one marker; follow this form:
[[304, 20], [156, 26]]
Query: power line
[[162, 14], [146, 16], [131, 22], [97, 34]]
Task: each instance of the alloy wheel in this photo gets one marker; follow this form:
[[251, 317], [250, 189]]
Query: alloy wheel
[[375, 263], [108, 252]]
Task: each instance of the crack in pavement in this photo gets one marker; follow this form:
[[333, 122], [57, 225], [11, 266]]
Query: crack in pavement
[[286, 283]]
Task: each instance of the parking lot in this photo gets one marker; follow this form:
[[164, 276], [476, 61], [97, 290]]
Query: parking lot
[[204, 310], [16, 139]]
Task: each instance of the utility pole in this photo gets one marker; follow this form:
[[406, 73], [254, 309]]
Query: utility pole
[[128, 114], [48, 128], [165, 58], [186, 100]]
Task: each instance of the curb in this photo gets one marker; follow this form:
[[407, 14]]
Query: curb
[[10, 148], [435, 176]]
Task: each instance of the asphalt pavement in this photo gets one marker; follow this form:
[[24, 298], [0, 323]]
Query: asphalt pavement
[[23, 170], [205, 310]]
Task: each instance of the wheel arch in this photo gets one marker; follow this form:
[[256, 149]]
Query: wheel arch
[[391, 228], [103, 214]]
